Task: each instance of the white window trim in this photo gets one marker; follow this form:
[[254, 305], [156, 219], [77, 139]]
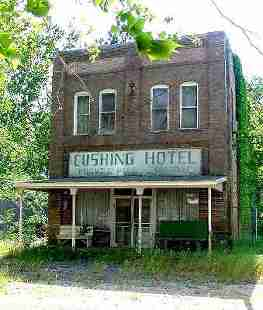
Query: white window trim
[[162, 86], [191, 83], [75, 126], [107, 91]]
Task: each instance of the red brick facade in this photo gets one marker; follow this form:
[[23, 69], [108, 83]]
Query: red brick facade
[[209, 65]]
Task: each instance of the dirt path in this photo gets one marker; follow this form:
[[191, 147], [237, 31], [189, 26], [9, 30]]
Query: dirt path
[[24, 296], [79, 287]]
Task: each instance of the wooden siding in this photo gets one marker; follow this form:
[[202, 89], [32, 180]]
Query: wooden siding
[[93, 208], [219, 214], [173, 205]]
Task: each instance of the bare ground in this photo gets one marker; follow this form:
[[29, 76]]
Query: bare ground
[[86, 286]]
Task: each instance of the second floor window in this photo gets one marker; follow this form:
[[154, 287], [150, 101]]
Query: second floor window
[[189, 105], [81, 113], [159, 107], [107, 111]]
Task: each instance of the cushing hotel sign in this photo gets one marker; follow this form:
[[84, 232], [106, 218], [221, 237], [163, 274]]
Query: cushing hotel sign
[[160, 162]]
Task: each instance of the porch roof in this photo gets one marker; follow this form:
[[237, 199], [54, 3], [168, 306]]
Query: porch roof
[[124, 182]]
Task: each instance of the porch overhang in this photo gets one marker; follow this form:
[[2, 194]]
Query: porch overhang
[[123, 182]]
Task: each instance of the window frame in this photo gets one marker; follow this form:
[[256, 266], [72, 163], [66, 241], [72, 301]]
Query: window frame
[[75, 125], [160, 86], [102, 92], [187, 84]]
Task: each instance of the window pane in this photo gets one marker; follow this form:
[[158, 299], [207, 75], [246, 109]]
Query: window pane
[[189, 96], [107, 123], [159, 119], [189, 118], [160, 98], [108, 103], [83, 124], [83, 105]]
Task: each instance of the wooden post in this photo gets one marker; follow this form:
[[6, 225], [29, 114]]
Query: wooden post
[[140, 226], [132, 222], [113, 219], [73, 193], [209, 220], [139, 192], [153, 216], [20, 229]]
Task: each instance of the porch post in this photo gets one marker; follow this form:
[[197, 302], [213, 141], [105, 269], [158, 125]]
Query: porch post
[[73, 193], [132, 222], [139, 192], [209, 221], [113, 219], [20, 228]]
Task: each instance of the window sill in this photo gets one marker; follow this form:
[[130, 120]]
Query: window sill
[[159, 131], [107, 133], [196, 128], [81, 134]]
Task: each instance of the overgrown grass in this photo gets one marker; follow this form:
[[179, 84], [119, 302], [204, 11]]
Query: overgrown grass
[[243, 263]]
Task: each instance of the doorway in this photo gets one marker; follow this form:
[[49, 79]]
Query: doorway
[[127, 221]]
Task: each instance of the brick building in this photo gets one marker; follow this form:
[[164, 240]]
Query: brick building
[[136, 144]]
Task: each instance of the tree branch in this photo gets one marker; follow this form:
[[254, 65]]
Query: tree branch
[[245, 31]]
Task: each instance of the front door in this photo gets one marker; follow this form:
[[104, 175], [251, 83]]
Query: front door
[[127, 222]]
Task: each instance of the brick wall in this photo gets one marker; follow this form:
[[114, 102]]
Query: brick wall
[[117, 67]]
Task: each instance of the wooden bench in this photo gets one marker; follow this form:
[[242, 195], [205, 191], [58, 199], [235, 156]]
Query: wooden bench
[[65, 233], [184, 231]]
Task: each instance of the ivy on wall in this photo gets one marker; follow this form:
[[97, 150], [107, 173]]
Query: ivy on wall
[[245, 152]]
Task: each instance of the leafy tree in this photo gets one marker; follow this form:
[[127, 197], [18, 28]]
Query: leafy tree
[[25, 116], [130, 23]]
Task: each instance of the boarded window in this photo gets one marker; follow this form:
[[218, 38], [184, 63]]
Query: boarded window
[[82, 114], [189, 117], [107, 112], [160, 103]]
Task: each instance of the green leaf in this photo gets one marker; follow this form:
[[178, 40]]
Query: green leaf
[[123, 16], [162, 49], [103, 4], [131, 20], [11, 53], [38, 8], [144, 42], [137, 27], [7, 6], [7, 48], [5, 40], [114, 29], [98, 2]]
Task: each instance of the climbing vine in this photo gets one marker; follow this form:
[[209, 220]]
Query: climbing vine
[[245, 151]]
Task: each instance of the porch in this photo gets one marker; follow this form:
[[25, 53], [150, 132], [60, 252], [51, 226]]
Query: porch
[[131, 212]]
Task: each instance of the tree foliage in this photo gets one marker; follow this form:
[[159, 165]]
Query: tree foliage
[[255, 99], [130, 22], [249, 117], [25, 114]]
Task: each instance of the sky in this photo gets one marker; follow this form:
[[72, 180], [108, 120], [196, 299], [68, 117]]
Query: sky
[[189, 16]]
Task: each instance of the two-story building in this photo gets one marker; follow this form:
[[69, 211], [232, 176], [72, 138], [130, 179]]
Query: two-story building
[[136, 143]]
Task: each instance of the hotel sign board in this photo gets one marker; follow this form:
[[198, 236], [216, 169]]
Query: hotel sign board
[[157, 162]]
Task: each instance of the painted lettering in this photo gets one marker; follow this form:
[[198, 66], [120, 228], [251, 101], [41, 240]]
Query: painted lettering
[[76, 160], [161, 158], [94, 159], [149, 158]]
